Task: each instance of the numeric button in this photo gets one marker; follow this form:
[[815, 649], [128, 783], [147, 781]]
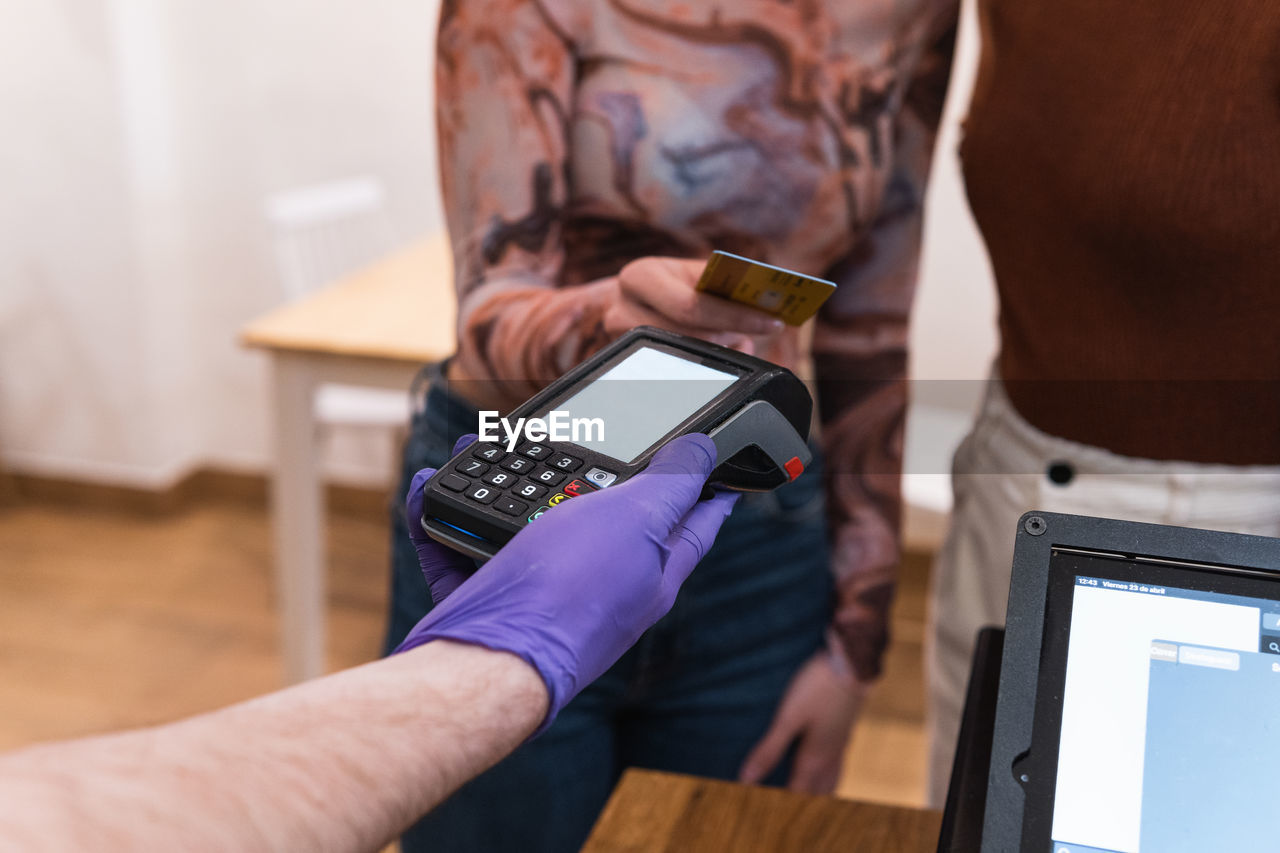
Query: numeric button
[[532, 491], [548, 477], [564, 462], [535, 451], [519, 464], [502, 479], [471, 467], [488, 452], [483, 494]]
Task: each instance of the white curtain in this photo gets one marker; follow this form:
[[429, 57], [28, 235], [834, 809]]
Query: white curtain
[[140, 138]]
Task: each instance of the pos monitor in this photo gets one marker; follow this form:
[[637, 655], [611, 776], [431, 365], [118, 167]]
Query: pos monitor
[[1139, 697]]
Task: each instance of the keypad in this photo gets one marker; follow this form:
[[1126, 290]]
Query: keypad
[[512, 483], [519, 464], [549, 477]]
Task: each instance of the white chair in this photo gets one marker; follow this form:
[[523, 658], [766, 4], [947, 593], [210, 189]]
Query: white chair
[[321, 233]]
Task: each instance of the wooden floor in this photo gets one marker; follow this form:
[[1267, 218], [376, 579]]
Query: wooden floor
[[116, 618]]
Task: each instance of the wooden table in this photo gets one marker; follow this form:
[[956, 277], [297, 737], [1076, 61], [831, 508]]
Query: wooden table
[[654, 812], [376, 328]]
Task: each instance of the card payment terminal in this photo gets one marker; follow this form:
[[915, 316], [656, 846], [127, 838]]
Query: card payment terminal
[[606, 418]]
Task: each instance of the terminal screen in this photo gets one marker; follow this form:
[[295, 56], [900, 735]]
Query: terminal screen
[[1170, 728], [636, 402]]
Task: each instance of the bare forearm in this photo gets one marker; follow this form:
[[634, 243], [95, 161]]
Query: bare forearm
[[341, 763]]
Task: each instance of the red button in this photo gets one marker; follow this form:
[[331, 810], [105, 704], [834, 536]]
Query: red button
[[576, 488], [794, 467]]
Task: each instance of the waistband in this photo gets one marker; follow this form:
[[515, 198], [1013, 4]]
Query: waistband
[[1030, 448]]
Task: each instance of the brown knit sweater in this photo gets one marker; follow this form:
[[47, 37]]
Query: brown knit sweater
[[1123, 161]]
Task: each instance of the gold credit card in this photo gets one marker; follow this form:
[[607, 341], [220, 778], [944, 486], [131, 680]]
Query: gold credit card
[[785, 294]]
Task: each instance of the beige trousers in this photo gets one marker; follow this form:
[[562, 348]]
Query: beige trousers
[[998, 473]]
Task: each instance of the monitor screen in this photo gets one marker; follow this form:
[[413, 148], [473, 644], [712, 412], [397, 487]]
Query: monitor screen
[[1169, 717], [640, 399]]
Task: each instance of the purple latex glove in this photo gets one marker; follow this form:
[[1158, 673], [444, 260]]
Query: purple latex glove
[[443, 567], [576, 588]]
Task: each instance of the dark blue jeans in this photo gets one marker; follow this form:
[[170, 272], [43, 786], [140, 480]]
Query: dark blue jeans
[[693, 696]]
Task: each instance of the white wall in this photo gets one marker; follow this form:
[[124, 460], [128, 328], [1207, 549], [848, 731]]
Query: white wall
[[953, 334], [67, 357], [140, 139]]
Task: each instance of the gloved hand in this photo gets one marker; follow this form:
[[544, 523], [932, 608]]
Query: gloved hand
[[443, 567], [576, 588]]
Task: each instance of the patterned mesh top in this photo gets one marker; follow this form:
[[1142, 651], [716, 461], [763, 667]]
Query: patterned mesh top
[[579, 135]]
